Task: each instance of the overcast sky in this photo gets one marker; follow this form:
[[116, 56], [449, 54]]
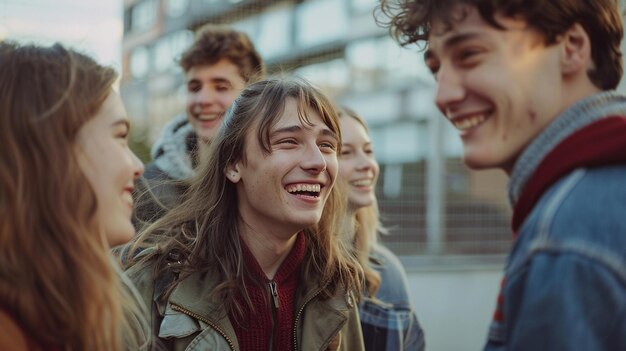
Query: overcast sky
[[91, 26]]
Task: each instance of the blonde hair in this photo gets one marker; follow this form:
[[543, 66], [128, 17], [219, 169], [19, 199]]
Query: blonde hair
[[57, 276], [367, 225], [210, 214]]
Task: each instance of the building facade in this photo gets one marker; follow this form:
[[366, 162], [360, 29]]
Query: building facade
[[432, 204]]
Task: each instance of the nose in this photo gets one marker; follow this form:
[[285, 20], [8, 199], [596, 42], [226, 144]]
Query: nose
[[365, 161], [138, 167], [450, 88], [203, 96], [314, 160]]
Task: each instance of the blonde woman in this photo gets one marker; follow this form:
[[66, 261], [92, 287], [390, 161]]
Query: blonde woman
[[66, 178], [387, 318]]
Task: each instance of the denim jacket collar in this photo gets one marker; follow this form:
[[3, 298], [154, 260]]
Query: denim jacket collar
[[579, 115]]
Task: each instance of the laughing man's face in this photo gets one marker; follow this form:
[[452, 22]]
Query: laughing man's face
[[285, 191]]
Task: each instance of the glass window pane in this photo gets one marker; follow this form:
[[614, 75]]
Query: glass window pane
[[275, 32], [176, 8], [331, 76], [321, 21], [139, 62], [363, 59], [143, 15]]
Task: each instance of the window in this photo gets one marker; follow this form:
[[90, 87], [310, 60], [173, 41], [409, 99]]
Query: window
[[168, 48], [363, 58], [139, 62], [176, 8], [143, 15], [364, 6], [321, 21], [275, 32], [331, 77]]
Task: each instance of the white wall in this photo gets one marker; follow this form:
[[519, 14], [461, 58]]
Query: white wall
[[454, 304]]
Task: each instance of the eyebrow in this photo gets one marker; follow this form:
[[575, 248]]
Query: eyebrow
[[451, 42], [297, 128], [352, 145], [212, 80]]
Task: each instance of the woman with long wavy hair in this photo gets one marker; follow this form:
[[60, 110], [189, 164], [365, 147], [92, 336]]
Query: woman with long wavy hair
[[66, 177], [250, 260], [387, 318]]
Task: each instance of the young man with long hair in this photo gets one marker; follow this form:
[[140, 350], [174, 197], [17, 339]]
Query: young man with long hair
[[250, 260]]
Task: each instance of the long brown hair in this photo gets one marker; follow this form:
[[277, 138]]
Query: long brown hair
[[367, 224], [205, 227], [57, 277]]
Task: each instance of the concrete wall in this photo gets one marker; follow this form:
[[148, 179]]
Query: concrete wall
[[455, 302]]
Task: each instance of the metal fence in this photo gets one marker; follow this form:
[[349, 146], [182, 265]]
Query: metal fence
[[432, 204]]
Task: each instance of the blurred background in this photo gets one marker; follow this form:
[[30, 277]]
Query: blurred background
[[448, 224]]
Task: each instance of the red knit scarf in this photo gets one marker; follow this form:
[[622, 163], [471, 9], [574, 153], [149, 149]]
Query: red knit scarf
[[601, 143], [255, 331]]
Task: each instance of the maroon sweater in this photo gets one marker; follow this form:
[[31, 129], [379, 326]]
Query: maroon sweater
[[254, 332]]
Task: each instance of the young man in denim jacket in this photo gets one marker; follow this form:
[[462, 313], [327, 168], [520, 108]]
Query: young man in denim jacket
[[529, 85]]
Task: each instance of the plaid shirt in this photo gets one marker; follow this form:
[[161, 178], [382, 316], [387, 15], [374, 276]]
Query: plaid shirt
[[388, 321]]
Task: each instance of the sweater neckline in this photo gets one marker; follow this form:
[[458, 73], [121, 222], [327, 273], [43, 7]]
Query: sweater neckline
[[290, 264]]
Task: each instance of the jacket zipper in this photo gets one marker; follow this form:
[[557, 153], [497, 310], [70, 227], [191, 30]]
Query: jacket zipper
[[274, 292], [295, 322], [213, 325], [274, 312]]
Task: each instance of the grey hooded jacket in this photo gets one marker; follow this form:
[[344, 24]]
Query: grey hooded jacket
[[163, 183]]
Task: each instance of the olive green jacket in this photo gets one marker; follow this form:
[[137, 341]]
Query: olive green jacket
[[190, 321]]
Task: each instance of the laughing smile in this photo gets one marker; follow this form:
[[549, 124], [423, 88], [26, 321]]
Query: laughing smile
[[208, 117], [308, 190], [362, 182], [469, 121]]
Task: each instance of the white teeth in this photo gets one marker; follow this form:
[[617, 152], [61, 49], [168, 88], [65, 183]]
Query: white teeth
[[468, 122], [207, 117], [362, 182], [314, 188]]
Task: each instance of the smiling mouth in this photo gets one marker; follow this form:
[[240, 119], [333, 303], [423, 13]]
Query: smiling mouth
[[469, 122], [361, 182], [309, 190], [207, 118]]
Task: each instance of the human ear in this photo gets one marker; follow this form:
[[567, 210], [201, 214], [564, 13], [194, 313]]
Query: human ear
[[232, 173], [576, 51]]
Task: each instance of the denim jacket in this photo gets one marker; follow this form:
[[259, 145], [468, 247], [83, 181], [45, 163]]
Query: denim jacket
[[565, 279], [388, 321]]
